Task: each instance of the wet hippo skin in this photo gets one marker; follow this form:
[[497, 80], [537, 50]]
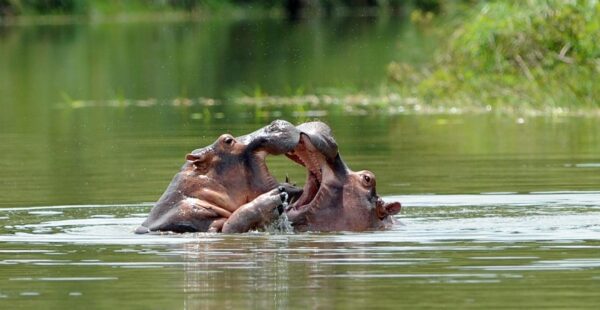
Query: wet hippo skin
[[218, 179], [226, 187], [334, 198]]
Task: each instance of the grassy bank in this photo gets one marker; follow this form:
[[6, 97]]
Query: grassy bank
[[532, 54]]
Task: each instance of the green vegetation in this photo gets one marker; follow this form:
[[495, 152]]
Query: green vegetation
[[107, 9], [531, 54], [292, 8]]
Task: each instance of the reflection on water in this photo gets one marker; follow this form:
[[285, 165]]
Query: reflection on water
[[108, 155], [476, 249], [215, 58]]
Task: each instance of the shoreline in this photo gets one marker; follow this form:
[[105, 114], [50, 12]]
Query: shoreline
[[389, 104]]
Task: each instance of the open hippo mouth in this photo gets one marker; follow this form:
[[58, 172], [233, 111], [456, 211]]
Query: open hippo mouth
[[277, 138], [334, 197], [315, 148]]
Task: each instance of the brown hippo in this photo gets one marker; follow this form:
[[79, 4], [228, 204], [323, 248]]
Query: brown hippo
[[334, 198], [219, 179]]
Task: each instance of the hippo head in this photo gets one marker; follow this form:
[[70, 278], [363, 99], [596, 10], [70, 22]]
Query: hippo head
[[334, 198], [219, 178], [236, 166], [368, 210]]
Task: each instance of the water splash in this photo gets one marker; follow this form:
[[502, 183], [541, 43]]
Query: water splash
[[282, 224]]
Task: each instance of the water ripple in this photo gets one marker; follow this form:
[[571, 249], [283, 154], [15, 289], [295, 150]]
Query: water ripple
[[564, 217]]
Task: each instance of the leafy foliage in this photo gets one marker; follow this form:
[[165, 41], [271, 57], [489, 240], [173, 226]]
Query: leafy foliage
[[535, 52]]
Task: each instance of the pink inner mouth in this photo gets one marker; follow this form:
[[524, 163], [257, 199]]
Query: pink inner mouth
[[308, 156]]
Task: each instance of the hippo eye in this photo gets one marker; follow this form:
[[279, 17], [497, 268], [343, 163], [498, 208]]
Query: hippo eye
[[228, 140], [366, 180]]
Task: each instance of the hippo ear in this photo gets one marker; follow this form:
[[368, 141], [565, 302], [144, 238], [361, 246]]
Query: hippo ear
[[393, 208], [192, 157], [195, 159], [388, 209]]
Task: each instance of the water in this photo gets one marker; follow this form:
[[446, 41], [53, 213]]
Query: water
[[498, 211], [528, 250]]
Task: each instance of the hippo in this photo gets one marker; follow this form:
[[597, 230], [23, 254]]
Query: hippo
[[219, 179], [334, 197]]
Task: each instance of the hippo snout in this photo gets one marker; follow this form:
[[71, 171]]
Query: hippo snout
[[277, 138]]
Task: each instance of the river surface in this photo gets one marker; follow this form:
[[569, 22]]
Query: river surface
[[498, 211]]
